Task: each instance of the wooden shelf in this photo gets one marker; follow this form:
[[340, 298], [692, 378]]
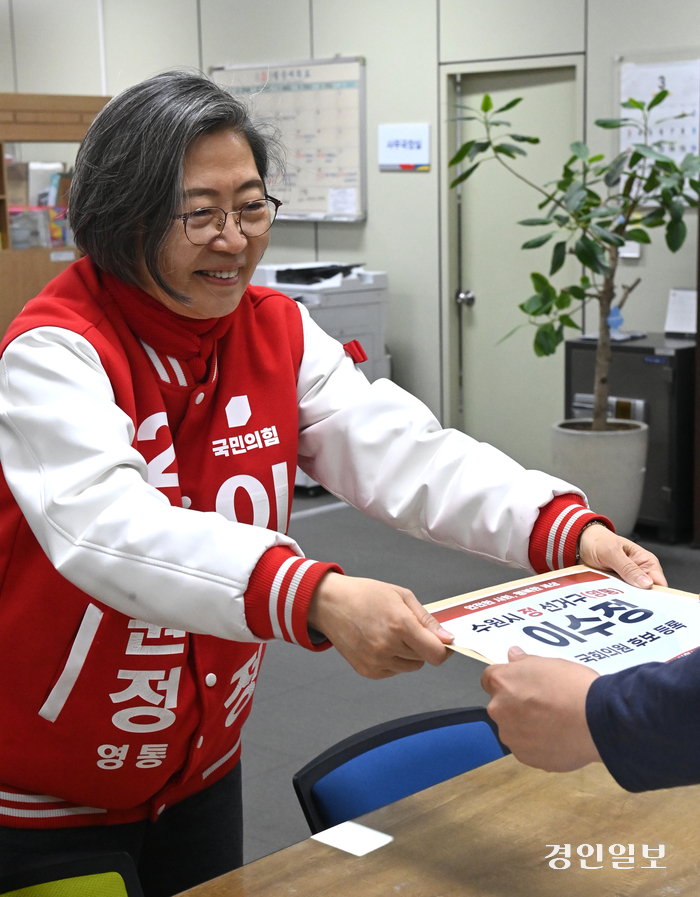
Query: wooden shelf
[[46, 118], [40, 118], [34, 118]]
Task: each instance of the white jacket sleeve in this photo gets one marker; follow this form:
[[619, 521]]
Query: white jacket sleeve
[[67, 455], [383, 451]]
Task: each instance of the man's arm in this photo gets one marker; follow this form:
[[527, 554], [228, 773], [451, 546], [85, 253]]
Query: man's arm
[[643, 722]]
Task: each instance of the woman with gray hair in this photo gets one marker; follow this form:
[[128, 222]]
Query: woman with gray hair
[[153, 408]]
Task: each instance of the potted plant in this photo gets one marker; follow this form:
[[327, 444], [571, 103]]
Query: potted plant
[[592, 209]]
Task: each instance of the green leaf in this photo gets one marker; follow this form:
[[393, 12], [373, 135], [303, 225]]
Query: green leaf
[[637, 235], [575, 197], [614, 172], [520, 138], [465, 174], [690, 164], [676, 209], [480, 146], [597, 158], [604, 212], [546, 340], [607, 236], [580, 150], [535, 305], [652, 182], [612, 122], [671, 182], [632, 104], [542, 285], [590, 254], [651, 153], [577, 292], [508, 149], [530, 222], [510, 333], [654, 218], [486, 103], [563, 300], [558, 257], [538, 241], [509, 105], [675, 234], [568, 321], [514, 149], [656, 99], [461, 153]]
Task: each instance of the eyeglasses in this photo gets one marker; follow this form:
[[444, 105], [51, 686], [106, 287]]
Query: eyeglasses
[[253, 219]]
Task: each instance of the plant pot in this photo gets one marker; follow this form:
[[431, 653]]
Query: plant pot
[[608, 466]]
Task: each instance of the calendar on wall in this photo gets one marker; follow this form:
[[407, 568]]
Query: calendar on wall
[[641, 81], [318, 106]]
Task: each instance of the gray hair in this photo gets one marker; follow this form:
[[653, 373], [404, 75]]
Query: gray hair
[[127, 186]]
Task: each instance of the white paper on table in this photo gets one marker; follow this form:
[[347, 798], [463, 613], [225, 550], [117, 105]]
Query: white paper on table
[[578, 614], [353, 838]]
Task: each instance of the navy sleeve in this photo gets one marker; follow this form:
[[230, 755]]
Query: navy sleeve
[[645, 722]]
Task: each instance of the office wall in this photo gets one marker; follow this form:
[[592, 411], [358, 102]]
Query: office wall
[[54, 47], [621, 29], [7, 83]]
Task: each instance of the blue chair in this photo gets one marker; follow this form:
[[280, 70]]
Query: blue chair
[[387, 762], [103, 875]]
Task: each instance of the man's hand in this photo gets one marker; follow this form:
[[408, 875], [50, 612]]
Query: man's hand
[[539, 706], [380, 629], [603, 550]]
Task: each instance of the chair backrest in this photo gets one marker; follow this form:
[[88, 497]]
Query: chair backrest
[[387, 762], [103, 875]]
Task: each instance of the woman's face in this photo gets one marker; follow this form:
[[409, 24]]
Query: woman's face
[[219, 170]]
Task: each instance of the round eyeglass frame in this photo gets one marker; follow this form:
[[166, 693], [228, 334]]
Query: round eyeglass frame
[[270, 199]]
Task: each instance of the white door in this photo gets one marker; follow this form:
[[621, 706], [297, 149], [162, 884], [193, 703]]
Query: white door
[[510, 397]]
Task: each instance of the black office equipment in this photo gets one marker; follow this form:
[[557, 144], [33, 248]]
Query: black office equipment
[[652, 379]]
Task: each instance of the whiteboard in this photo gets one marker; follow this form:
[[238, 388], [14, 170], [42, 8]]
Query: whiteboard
[[319, 108]]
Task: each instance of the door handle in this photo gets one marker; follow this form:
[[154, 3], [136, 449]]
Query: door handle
[[463, 297]]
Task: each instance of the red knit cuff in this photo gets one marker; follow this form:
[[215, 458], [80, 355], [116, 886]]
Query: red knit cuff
[[555, 534], [278, 595]]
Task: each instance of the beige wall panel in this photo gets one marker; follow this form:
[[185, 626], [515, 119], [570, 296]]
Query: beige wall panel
[[7, 81], [472, 30], [398, 39], [142, 39], [239, 32], [623, 29], [291, 242], [57, 46]]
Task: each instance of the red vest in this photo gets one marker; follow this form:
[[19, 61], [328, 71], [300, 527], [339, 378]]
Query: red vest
[[154, 714]]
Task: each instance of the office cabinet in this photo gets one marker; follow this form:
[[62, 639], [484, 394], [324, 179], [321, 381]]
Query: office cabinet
[[651, 379]]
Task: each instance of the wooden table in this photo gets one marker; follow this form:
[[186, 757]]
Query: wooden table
[[485, 834]]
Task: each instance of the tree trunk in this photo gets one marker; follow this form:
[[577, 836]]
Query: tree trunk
[[601, 388]]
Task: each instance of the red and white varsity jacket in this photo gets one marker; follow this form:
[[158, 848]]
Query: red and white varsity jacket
[[143, 568]]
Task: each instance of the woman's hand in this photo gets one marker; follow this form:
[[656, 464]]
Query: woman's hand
[[539, 706], [380, 629], [603, 550]]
